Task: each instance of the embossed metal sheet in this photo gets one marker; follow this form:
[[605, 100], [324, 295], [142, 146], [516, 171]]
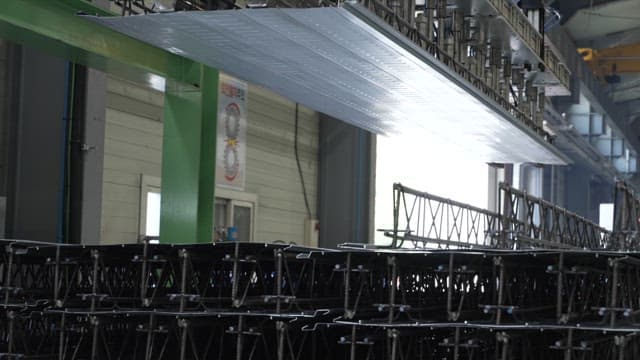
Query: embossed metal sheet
[[342, 62]]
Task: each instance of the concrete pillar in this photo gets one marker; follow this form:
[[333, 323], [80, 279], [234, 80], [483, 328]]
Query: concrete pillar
[[36, 122], [346, 183], [86, 157], [6, 81], [531, 179], [553, 184]]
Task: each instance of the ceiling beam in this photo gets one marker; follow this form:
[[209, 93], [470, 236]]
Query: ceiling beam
[[626, 84], [614, 39], [568, 8], [626, 96], [632, 107]]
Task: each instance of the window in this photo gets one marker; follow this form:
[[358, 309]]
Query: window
[[606, 216], [152, 226], [149, 207], [234, 211], [445, 171]]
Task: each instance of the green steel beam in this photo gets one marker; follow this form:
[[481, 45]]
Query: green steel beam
[[189, 144], [188, 160], [53, 26]]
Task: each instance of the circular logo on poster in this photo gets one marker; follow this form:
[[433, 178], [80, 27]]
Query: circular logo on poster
[[232, 120], [231, 163], [232, 128]]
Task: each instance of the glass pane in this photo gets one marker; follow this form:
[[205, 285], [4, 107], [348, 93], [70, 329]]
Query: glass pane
[[220, 214], [606, 216], [153, 214], [220, 220], [242, 222]]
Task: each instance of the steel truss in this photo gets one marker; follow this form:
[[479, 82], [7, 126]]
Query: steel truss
[[423, 220], [531, 221], [626, 221], [257, 301]]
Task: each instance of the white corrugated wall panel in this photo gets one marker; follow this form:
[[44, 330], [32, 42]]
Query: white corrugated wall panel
[[271, 165], [133, 146]]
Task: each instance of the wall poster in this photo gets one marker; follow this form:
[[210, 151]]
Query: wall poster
[[231, 151]]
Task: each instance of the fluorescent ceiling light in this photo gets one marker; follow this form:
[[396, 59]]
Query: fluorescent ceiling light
[[342, 62]]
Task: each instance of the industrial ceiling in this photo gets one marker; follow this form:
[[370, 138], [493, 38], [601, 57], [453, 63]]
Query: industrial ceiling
[[610, 27], [344, 63]]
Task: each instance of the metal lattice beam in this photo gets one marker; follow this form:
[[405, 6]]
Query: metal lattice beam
[[258, 301]]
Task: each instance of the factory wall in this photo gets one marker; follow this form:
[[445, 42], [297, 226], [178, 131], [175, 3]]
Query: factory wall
[[347, 182], [37, 118], [5, 88], [133, 146], [584, 191], [272, 172]]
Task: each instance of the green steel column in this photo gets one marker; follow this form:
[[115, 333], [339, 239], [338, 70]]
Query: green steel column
[[188, 160]]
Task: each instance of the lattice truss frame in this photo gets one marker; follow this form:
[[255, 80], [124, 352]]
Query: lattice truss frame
[[257, 301]]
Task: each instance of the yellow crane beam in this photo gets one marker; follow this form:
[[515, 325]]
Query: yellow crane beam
[[607, 63]]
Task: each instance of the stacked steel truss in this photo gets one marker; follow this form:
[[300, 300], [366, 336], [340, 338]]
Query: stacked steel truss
[[528, 282], [256, 301]]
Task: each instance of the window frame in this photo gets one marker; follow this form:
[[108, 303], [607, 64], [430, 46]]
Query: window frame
[[239, 198], [149, 183]]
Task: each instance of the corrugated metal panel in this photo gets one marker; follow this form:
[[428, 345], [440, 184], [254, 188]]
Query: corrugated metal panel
[[271, 165], [341, 62], [133, 146]]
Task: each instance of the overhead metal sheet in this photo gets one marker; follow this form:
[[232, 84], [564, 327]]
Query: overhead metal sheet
[[342, 62]]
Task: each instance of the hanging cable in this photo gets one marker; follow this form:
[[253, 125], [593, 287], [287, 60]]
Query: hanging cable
[[295, 150]]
